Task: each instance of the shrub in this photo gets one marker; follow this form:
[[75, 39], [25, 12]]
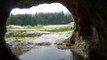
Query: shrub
[[39, 26]]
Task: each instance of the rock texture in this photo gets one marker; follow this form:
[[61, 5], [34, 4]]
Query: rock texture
[[89, 38]]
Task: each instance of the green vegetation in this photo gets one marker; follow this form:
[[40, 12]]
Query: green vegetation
[[52, 28], [20, 34], [39, 18], [28, 27], [16, 35], [38, 21], [14, 27], [43, 43], [39, 26], [60, 29]]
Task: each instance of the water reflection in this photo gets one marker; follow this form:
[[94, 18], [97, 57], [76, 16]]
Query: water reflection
[[47, 53]]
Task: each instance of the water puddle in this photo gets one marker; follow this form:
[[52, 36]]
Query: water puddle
[[49, 46], [47, 53]]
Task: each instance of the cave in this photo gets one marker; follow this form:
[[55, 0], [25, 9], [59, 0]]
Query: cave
[[88, 41]]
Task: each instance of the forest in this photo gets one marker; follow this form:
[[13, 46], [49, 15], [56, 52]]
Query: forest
[[39, 18]]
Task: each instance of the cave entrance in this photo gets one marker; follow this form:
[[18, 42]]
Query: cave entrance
[[43, 30]]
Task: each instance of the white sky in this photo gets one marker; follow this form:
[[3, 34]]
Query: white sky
[[54, 7]]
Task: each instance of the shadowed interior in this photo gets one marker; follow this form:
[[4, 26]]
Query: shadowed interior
[[89, 39]]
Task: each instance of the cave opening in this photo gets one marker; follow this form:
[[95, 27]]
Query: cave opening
[[27, 30]]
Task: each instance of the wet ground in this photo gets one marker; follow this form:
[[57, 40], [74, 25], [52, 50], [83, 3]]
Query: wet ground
[[47, 53], [51, 46]]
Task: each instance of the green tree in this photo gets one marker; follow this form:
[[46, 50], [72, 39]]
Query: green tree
[[40, 18]]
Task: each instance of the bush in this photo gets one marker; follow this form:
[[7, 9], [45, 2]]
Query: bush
[[39, 26], [28, 27]]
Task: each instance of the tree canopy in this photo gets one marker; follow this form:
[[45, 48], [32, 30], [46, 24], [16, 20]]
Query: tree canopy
[[39, 18]]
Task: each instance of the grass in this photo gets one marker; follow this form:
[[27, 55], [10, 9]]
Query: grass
[[38, 26], [18, 33], [41, 27], [61, 29]]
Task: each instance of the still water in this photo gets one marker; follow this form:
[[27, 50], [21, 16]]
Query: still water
[[47, 53]]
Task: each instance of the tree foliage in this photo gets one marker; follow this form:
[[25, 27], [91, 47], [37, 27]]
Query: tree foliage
[[39, 18]]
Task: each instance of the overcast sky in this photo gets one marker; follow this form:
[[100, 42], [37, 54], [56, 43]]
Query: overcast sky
[[46, 8]]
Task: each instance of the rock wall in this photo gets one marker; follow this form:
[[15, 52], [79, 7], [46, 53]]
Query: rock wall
[[89, 38]]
